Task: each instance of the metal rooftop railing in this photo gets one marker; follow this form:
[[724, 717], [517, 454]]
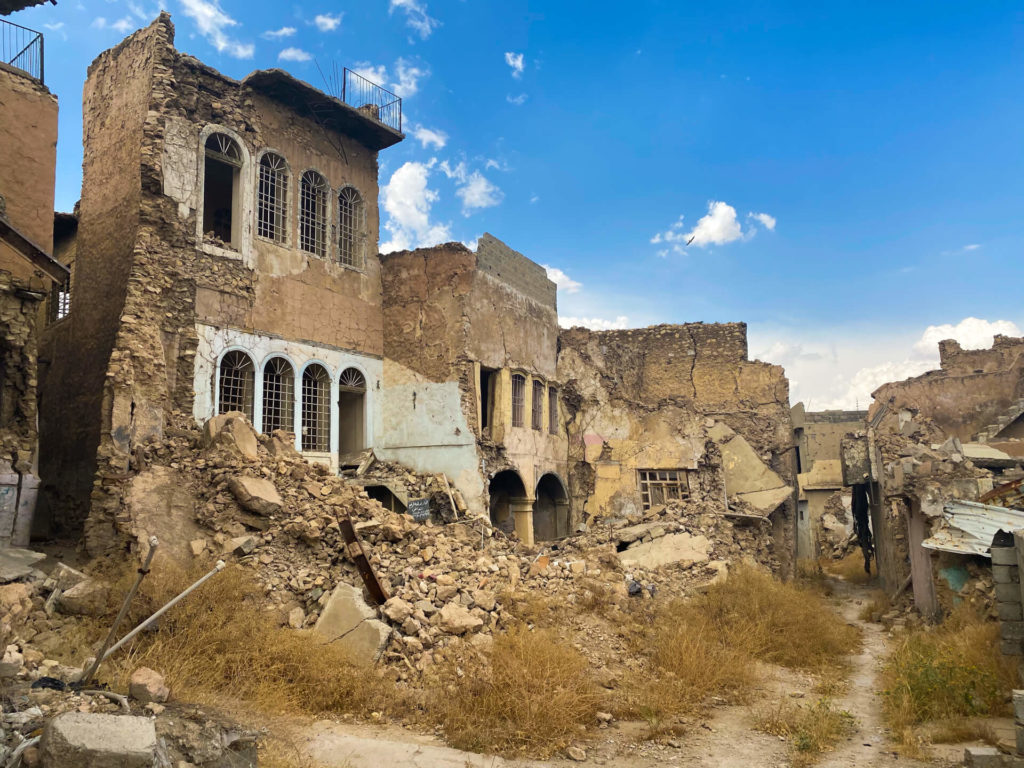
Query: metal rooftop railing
[[22, 48], [368, 97]]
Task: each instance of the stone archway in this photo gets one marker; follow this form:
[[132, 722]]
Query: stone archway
[[550, 509], [510, 506]]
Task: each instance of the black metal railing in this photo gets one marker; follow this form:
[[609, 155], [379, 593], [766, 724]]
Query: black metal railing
[[368, 97], [22, 47]]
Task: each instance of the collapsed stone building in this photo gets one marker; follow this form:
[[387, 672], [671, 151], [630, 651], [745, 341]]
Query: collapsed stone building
[[224, 257]]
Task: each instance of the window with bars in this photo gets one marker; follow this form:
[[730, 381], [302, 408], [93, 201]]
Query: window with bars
[[278, 395], [352, 380], [237, 383], [316, 409], [313, 194], [518, 399], [660, 486], [58, 303], [272, 198], [350, 228], [553, 411], [223, 163], [537, 405]]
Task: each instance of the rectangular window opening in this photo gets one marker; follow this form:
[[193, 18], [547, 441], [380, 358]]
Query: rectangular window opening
[[660, 486], [271, 203], [58, 304], [518, 399], [486, 397], [316, 414], [553, 411], [537, 406], [219, 200]]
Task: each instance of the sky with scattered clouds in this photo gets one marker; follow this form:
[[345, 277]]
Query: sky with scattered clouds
[[847, 179]]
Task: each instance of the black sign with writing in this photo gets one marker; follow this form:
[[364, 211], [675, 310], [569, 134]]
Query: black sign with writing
[[419, 509]]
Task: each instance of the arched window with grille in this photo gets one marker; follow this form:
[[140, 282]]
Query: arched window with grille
[[222, 169], [237, 383], [316, 409], [350, 227], [278, 395], [313, 195], [272, 198]]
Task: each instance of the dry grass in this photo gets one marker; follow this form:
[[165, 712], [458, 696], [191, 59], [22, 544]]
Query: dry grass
[[533, 696], [221, 641], [710, 645], [947, 674], [811, 730], [876, 607], [850, 569]]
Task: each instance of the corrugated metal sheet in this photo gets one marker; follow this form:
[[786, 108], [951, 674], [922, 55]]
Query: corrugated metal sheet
[[970, 527]]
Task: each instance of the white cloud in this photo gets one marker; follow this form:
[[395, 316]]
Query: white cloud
[[124, 26], [277, 34], [375, 74], [768, 222], [294, 54], [407, 200], [534, 199], [515, 61], [212, 22], [325, 22], [54, 27], [718, 227], [595, 323], [478, 192], [99, 23], [972, 247], [416, 16], [971, 332], [408, 78], [517, 100], [429, 137], [827, 371], [453, 172], [562, 280]]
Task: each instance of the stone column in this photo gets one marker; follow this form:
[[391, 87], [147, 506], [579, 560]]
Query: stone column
[[522, 513]]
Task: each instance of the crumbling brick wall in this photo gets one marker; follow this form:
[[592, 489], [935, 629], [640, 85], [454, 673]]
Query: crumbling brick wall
[[18, 374]]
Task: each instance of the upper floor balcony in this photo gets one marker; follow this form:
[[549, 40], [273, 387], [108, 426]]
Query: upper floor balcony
[[22, 48]]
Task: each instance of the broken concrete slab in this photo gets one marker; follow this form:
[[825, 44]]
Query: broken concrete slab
[[16, 563], [746, 476], [91, 740], [348, 621], [160, 503], [675, 548], [257, 494], [638, 532], [87, 598], [233, 431]]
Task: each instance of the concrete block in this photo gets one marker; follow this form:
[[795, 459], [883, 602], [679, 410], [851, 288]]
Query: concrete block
[[1012, 630], [1018, 706], [1004, 555], [257, 494], [1005, 574], [673, 548], [90, 740], [982, 757], [348, 621], [1008, 593], [1019, 729], [1010, 647], [1010, 611]]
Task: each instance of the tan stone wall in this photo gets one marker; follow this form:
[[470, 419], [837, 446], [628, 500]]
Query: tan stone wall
[[28, 135]]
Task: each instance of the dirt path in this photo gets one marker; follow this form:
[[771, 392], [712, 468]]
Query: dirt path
[[724, 740]]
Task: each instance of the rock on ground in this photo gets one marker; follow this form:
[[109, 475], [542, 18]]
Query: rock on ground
[[673, 548], [147, 685], [456, 620], [348, 621], [87, 598], [256, 494], [90, 740]]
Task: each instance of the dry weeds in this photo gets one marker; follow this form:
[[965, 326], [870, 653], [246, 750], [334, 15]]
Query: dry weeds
[[811, 730], [532, 696], [948, 675], [850, 569]]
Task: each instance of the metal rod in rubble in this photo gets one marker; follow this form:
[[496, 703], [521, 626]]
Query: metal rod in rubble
[[216, 569], [94, 667]]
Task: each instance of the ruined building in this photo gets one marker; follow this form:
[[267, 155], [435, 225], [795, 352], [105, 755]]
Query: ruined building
[[224, 258], [28, 271]]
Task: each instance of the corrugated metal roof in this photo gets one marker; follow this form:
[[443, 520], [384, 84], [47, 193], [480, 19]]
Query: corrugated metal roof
[[970, 527]]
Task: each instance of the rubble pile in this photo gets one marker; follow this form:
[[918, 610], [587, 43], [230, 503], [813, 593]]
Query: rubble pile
[[257, 499]]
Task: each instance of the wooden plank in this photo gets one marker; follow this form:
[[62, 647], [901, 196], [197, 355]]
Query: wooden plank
[[1018, 542], [921, 563]]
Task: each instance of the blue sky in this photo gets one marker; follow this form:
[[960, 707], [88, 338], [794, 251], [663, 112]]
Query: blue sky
[[849, 173]]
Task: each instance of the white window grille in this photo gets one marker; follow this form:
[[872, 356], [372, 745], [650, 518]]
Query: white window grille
[[316, 409], [272, 198], [537, 405], [352, 380], [350, 228], [660, 486], [518, 399], [313, 214], [278, 395], [553, 411], [223, 148], [237, 383], [58, 304]]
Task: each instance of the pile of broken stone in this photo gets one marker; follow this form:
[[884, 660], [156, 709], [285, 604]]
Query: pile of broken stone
[[258, 500]]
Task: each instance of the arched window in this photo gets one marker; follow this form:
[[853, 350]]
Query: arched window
[[518, 399], [351, 412], [316, 409], [350, 227], [237, 383], [313, 214], [278, 395], [272, 198], [221, 171]]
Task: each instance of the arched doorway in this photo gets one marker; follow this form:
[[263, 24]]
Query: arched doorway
[[508, 495], [351, 412], [551, 509]]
